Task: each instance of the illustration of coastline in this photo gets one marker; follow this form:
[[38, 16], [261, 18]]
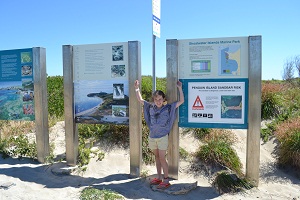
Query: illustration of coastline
[[231, 106], [230, 60]]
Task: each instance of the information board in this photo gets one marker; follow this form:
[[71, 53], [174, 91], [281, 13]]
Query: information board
[[16, 85], [214, 73], [101, 91]]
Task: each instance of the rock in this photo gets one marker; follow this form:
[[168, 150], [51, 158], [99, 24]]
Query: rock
[[6, 185], [176, 189], [62, 169]]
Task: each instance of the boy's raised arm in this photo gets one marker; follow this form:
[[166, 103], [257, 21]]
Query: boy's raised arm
[[137, 92], [181, 96]]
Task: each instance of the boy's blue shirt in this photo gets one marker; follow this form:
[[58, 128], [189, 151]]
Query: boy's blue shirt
[[159, 120]]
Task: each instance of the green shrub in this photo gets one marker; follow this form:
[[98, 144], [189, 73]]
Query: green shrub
[[83, 153], [52, 120], [147, 83], [118, 135], [270, 100], [218, 151], [183, 154], [55, 85], [288, 135], [146, 89], [226, 182], [19, 146], [268, 132], [92, 130], [90, 193], [100, 156], [147, 154], [265, 134], [3, 148], [198, 133]]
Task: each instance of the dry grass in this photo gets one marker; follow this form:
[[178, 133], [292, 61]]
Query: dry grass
[[15, 128], [288, 135], [221, 134]]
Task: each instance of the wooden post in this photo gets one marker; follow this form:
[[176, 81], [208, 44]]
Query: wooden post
[[172, 95], [41, 103], [135, 114], [254, 114], [71, 130]]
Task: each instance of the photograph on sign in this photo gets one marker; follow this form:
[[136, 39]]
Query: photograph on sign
[[213, 58], [101, 91], [117, 53], [101, 102], [118, 91], [16, 88], [118, 71]]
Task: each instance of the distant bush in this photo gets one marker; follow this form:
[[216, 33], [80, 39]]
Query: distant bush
[[55, 85], [147, 83], [280, 102], [291, 100], [288, 135], [147, 154], [270, 100]]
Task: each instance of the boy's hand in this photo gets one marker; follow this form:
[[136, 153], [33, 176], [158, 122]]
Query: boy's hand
[[179, 84], [136, 84]]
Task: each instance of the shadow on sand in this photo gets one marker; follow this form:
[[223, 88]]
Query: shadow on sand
[[132, 188]]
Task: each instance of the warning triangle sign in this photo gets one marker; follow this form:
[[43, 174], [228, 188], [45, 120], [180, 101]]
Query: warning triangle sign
[[198, 104]]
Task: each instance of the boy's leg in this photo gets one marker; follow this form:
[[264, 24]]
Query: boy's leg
[[157, 163], [163, 146], [154, 147], [164, 164]]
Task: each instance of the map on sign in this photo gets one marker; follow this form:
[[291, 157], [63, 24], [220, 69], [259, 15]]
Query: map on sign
[[230, 60], [231, 106]]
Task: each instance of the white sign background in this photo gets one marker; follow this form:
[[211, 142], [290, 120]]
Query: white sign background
[[156, 14], [208, 50], [94, 61], [210, 94]]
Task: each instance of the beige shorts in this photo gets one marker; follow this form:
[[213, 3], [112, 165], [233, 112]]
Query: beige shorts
[[159, 143]]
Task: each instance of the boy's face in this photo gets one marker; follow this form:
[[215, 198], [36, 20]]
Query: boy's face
[[158, 100]]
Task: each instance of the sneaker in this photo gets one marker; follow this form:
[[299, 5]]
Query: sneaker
[[155, 181], [163, 185]]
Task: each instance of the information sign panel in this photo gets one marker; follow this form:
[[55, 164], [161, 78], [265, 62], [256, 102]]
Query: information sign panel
[[16, 85], [101, 83], [214, 73]]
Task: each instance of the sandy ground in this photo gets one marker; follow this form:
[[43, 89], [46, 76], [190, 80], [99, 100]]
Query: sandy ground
[[25, 179]]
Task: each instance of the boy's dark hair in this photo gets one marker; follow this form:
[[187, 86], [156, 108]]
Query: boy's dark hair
[[158, 92]]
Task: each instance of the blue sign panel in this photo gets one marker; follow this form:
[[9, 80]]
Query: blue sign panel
[[16, 85], [215, 103]]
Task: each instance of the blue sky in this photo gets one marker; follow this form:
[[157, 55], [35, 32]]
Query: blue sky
[[53, 23]]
